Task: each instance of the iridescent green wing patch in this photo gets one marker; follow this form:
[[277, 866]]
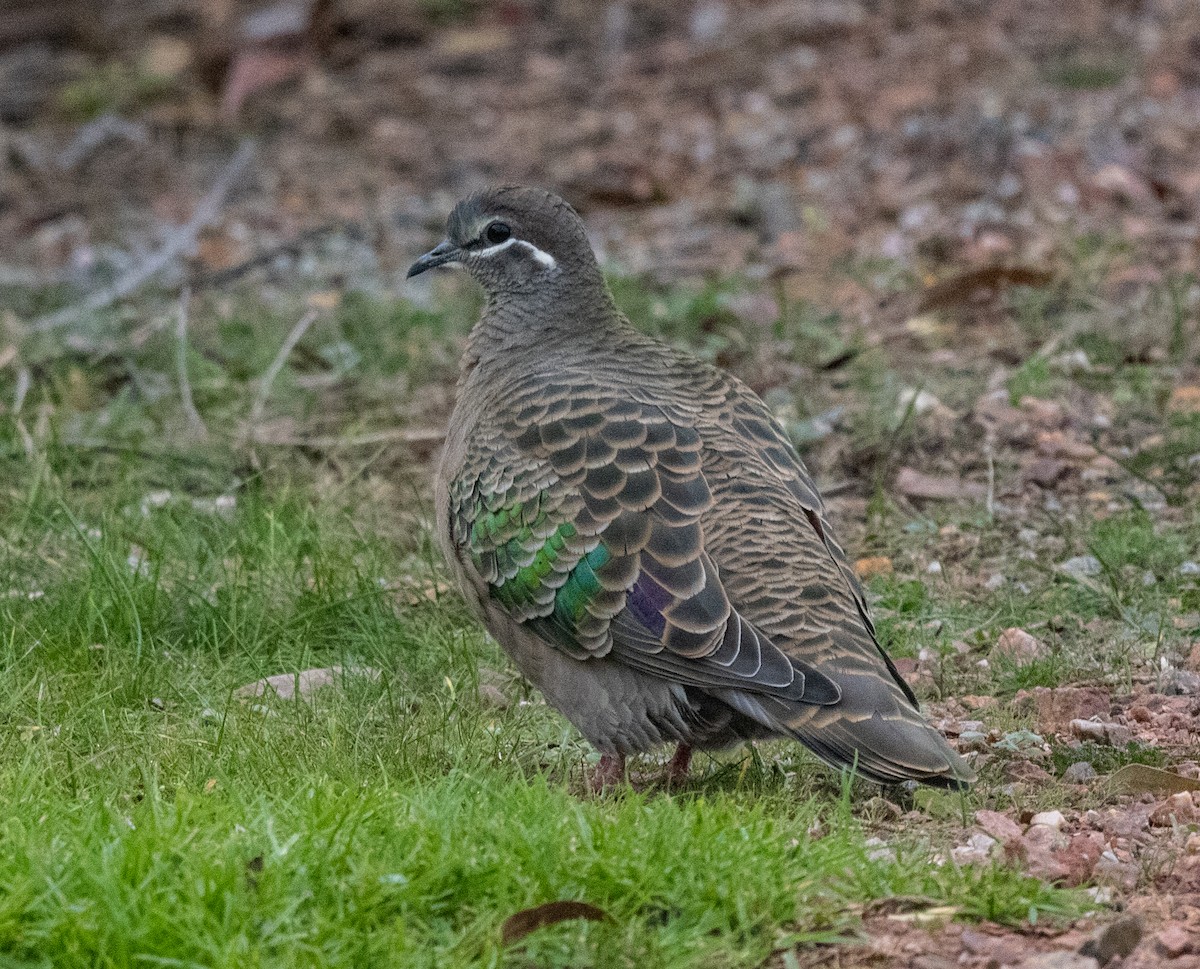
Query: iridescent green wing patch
[[532, 556]]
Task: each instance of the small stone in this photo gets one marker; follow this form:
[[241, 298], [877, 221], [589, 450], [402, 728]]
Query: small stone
[[1081, 772], [1082, 565], [1046, 472], [995, 582], [1122, 875], [934, 568], [973, 702], [1019, 646], [878, 850], [1000, 826], [1071, 362], [1173, 940], [1190, 568], [972, 740], [301, 685], [1114, 941], [1177, 809], [1112, 734], [492, 696], [1177, 682], [1056, 707], [1049, 819], [977, 849]]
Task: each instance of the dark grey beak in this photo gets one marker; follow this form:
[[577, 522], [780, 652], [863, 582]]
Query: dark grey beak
[[443, 254]]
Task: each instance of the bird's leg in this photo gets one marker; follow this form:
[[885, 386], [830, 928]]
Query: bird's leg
[[677, 768], [608, 773]]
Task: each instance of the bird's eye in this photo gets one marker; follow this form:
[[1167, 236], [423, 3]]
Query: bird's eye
[[498, 232]]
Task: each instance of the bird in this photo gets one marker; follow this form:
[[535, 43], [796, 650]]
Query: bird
[[635, 528]]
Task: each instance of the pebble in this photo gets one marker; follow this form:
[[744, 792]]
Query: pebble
[[1081, 772], [1019, 646], [1112, 734], [1114, 941], [1190, 568], [1049, 819], [977, 849], [1177, 682], [878, 850], [1082, 565], [1174, 940]]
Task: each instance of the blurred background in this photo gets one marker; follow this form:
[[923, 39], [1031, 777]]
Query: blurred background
[[827, 196], [762, 137]]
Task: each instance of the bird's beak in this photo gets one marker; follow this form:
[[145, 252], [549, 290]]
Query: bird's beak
[[444, 253]]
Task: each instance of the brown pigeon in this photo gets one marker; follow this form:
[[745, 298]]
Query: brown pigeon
[[638, 532]]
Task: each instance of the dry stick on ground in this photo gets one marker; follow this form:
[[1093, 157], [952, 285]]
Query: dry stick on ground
[[181, 241], [23, 382], [403, 435], [195, 421], [268, 378]]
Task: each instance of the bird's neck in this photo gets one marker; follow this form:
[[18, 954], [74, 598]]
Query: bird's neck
[[517, 325]]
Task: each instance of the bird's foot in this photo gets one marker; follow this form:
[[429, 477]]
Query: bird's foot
[[608, 773], [677, 767]]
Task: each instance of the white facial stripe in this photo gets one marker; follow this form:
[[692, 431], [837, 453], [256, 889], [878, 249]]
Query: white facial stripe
[[498, 247], [544, 258]]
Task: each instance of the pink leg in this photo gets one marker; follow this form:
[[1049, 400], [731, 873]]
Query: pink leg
[[677, 769], [608, 773]]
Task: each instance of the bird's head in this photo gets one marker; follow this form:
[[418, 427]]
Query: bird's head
[[514, 240]]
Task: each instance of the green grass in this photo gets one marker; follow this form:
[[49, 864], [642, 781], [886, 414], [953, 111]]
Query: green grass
[[154, 818]]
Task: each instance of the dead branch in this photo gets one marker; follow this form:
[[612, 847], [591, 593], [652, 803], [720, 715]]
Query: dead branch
[[268, 378], [181, 241], [402, 435], [195, 421]]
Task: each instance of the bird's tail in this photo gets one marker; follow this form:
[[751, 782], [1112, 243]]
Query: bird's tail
[[873, 729]]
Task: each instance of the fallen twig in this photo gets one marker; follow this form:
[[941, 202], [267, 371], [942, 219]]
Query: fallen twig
[[268, 378], [414, 435], [23, 383], [292, 247], [185, 385], [181, 241], [107, 127]]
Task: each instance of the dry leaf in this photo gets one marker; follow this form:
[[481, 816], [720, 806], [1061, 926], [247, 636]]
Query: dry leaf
[[868, 568], [962, 289], [930, 917], [914, 484], [529, 920], [289, 686], [1138, 778], [1184, 400]]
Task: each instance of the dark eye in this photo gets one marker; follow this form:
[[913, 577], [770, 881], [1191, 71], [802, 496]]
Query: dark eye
[[498, 232]]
